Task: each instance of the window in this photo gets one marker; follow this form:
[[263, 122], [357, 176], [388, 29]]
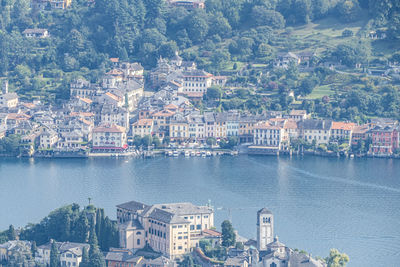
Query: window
[[191, 227], [138, 242], [198, 227]]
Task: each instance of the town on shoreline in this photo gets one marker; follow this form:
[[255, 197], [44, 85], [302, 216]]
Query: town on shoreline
[[116, 117], [160, 235]]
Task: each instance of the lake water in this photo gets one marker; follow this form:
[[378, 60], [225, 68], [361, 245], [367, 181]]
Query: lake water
[[318, 203]]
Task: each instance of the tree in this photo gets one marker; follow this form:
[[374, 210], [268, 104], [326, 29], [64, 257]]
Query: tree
[[11, 235], [85, 258], [156, 142], [54, 255], [187, 261], [81, 229], [264, 17], [96, 258], [337, 259], [214, 92], [33, 248], [211, 141], [220, 58], [228, 234], [348, 10], [147, 140]]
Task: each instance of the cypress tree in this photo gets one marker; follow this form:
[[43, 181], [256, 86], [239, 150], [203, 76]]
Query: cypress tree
[[96, 258], [11, 235], [54, 255], [82, 228], [85, 259], [33, 249]]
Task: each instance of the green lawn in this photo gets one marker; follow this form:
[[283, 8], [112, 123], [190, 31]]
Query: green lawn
[[320, 91]]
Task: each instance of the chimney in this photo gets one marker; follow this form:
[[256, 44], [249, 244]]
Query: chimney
[[4, 87]]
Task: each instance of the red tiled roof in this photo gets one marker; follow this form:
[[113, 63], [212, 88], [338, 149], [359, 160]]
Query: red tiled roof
[[348, 126], [143, 122], [109, 129]]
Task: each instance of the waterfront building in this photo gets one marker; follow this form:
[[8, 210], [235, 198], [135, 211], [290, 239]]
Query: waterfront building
[[210, 126], [109, 137], [48, 139], [178, 127], [271, 134], [171, 229], [342, 131], [196, 127], [384, 139], [318, 130], [70, 253], [142, 127], [359, 133]]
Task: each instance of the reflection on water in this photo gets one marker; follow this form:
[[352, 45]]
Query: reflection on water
[[319, 203]]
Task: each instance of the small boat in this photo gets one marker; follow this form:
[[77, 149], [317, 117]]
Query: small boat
[[192, 153], [170, 153], [208, 154], [198, 153], [175, 153], [187, 153], [203, 154]]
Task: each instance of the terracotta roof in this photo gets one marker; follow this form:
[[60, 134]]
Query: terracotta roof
[[360, 129], [112, 96], [109, 129], [290, 124], [143, 122], [163, 113], [114, 59], [18, 116], [171, 106], [348, 126], [266, 125], [211, 232], [86, 100]]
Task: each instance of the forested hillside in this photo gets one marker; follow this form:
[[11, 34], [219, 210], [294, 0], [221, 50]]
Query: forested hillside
[[222, 38]]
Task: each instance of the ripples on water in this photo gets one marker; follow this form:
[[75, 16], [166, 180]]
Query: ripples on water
[[319, 203]]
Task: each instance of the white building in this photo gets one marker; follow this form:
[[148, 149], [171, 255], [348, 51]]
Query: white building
[[70, 253], [109, 137]]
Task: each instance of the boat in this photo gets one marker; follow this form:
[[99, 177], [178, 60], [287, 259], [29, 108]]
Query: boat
[[175, 153], [187, 153], [170, 153], [192, 153], [208, 154], [203, 154]]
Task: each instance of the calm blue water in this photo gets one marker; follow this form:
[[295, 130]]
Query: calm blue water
[[319, 203]]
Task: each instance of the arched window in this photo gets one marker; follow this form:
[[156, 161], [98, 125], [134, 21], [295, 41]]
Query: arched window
[[273, 264]]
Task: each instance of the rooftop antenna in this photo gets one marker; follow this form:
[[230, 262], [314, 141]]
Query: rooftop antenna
[[89, 198]]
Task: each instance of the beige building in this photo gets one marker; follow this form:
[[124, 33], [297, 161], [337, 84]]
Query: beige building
[[70, 253], [318, 130], [179, 128], [270, 135], [48, 139], [171, 229], [196, 81], [109, 137], [7, 100], [142, 127]]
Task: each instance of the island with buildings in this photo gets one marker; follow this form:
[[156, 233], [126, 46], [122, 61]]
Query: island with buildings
[[163, 235]]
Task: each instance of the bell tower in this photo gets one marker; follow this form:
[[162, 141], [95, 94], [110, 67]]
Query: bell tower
[[265, 229]]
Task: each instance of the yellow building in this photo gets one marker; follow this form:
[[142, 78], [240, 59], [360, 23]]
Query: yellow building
[[171, 229], [142, 127]]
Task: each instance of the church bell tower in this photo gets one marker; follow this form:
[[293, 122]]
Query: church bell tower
[[265, 229]]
